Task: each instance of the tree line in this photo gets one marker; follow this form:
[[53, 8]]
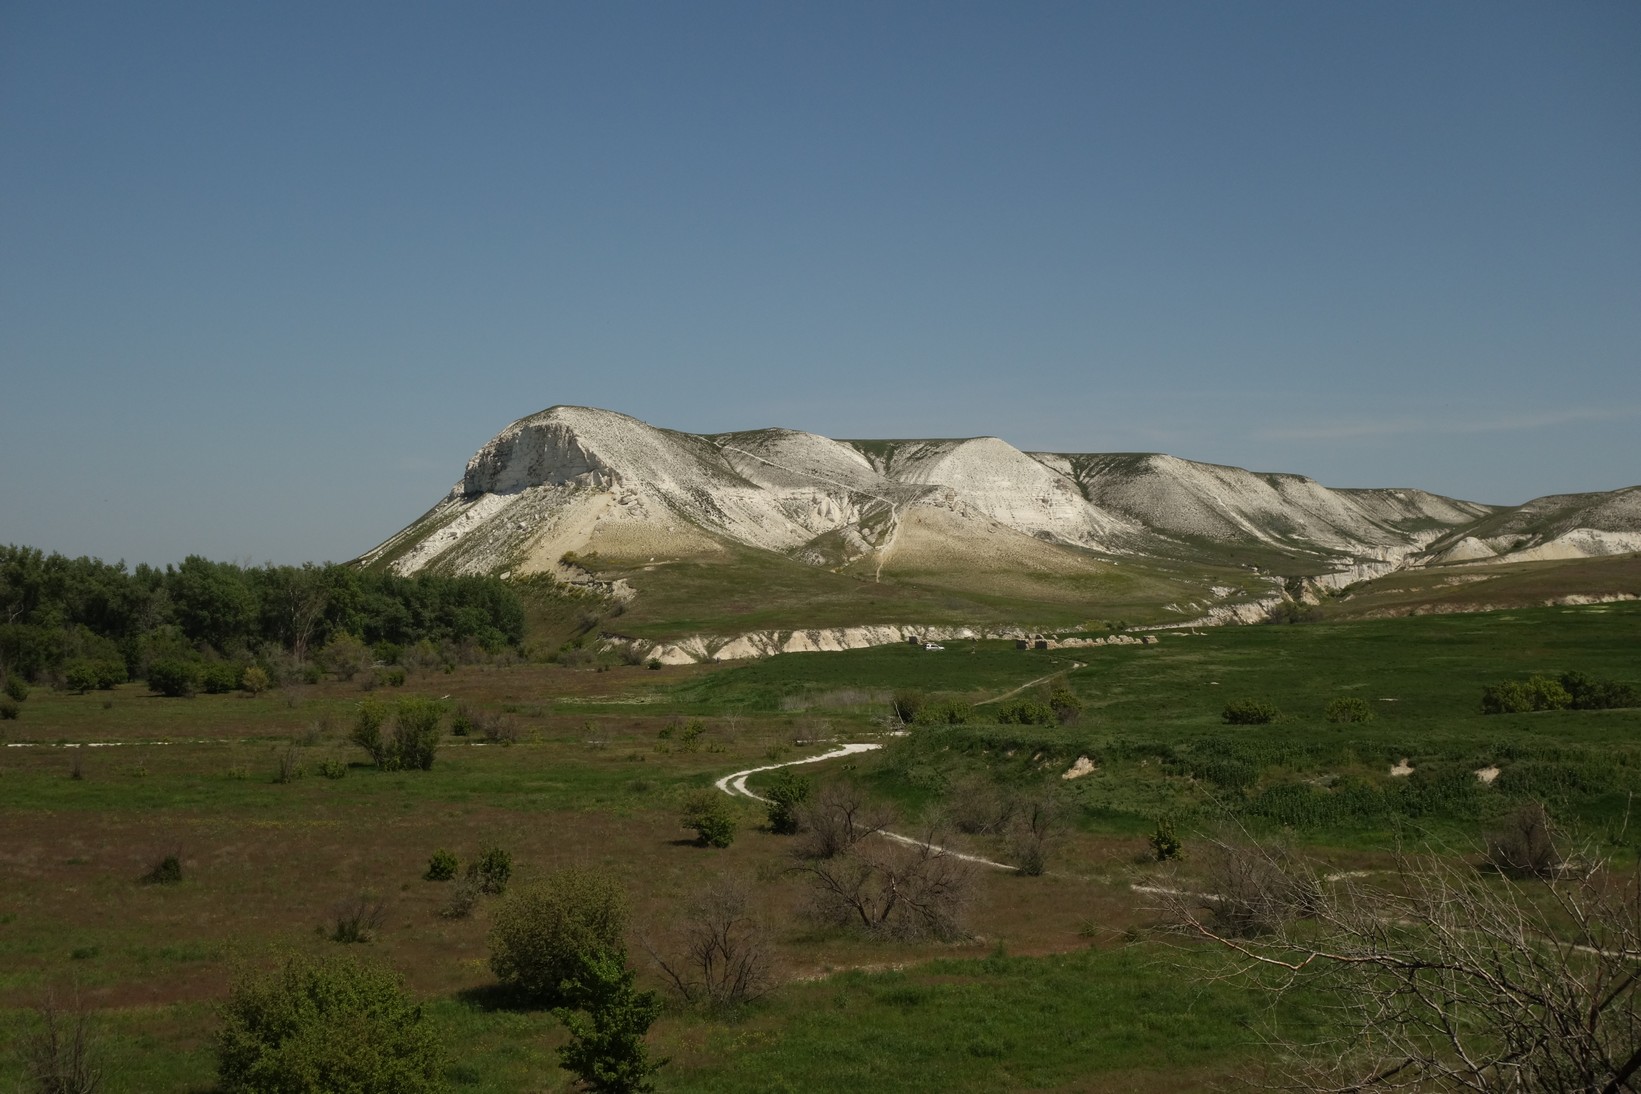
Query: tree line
[[55, 611]]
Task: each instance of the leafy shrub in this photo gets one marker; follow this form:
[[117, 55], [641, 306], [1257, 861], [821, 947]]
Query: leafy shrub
[[462, 722], [1165, 842], [1521, 697], [345, 656], [653, 664], [416, 732], [1348, 708], [1027, 712], [16, 688], [80, 676], [174, 677], [166, 871], [1589, 693], [332, 1024], [787, 792], [221, 678], [707, 812], [1249, 712], [441, 866], [1067, 707], [606, 1050], [255, 680], [944, 712], [333, 769], [906, 703], [492, 870], [464, 897], [9, 708], [367, 734], [543, 933]]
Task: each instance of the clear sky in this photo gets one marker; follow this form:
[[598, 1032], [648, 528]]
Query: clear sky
[[270, 273]]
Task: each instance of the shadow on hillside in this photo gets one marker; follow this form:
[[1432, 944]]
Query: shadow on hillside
[[494, 998]]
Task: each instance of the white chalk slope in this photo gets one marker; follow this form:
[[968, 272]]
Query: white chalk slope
[[577, 479]]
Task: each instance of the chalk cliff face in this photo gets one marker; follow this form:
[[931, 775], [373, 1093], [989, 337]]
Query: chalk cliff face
[[576, 479]]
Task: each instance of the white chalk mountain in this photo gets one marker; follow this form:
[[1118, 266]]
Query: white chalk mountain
[[573, 482]]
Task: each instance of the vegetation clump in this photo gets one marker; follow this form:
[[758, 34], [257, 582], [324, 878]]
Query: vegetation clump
[[543, 933], [1249, 712], [441, 866], [491, 871], [333, 1024], [607, 1019], [787, 791], [165, 871], [1348, 708], [708, 814]]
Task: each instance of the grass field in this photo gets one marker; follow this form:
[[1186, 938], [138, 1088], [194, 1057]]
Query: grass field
[[1061, 985]]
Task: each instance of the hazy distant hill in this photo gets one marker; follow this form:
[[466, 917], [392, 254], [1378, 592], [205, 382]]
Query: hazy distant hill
[[973, 516]]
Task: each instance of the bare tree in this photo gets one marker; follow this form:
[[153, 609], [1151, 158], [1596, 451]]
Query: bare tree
[[836, 818], [894, 885], [722, 956], [1445, 978], [1034, 829], [61, 1053]]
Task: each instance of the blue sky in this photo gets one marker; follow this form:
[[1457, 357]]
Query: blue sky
[[269, 274]]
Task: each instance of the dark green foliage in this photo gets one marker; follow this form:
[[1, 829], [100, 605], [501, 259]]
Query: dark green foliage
[[416, 732], [1348, 708], [9, 708], [787, 791], [221, 678], [80, 676], [1027, 712], [492, 870], [1520, 697], [368, 720], [334, 1024], [906, 703], [167, 871], [1249, 712], [441, 866], [543, 934], [333, 769], [607, 1020], [16, 688], [1586, 692], [1067, 707], [178, 679], [463, 721], [1165, 842], [708, 814], [944, 712]]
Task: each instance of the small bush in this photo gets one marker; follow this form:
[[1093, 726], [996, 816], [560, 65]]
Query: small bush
[[16, 688], [1067, 707], [255, 680], [357, 919], [175, 678], [906, 703], [345, 656], [944, 712], [492, 870], [9, 708], [290, 766], [1250, 712], [707, 812], [1027, 712], [1522, 697], [333, 768], [1165, 842], [1589, 693], [544, 933], [787, 792], [1348, 708], [606, 1050], [367, 734], [80, 676], [653, 664], [463, 721], [441, 866], [333, 1024], [416, 732], [166, 871], [221, 678]]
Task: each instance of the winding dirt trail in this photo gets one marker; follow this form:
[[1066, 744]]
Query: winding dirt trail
[[1075, 665]]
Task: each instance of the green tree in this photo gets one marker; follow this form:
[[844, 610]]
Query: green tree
[[544, 932], [787, 792], [607, 1024], [321, 1026], [708, 813]]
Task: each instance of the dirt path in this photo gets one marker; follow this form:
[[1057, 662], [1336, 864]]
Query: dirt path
[[734, 784], [1075, 665]]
